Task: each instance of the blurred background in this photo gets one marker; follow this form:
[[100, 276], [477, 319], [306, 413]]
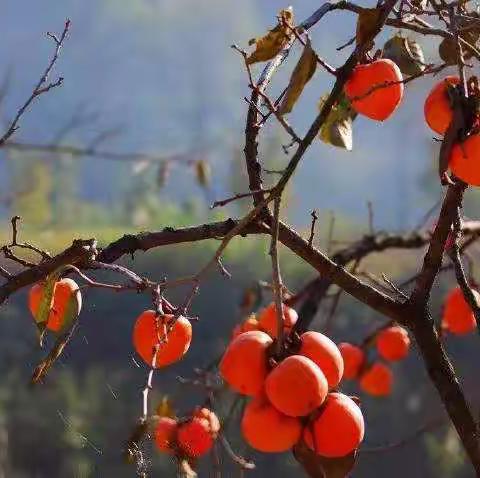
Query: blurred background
[[154, 94]]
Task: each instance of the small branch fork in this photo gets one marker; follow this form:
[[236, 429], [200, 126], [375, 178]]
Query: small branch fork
[[42, 86]]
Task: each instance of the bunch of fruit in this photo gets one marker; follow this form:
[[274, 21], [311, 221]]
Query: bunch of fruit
[[295, 398], [189, 437], [376, 379]]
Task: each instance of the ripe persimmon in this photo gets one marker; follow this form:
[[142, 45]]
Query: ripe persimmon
[[268, 430], [377, 380], [296, 386], [64, 290], [267, 319], [375, 89], [171, 337], [458, 317], [464, 160], [244, 366], [325, 354], [249, 324], [353, 359], [195, 437], [165, 434], [393, 343], [338, 429], [437, 109]]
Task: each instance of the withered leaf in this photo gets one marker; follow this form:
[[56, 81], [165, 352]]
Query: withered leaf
[[203, 172], [338, 127], [321, 467], [274, 41], [448, 47], [165, 408], [367, 23], [406, 53], [303, 72]]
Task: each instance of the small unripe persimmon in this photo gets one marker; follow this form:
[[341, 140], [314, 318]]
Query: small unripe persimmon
[[458, 317], [377, 380], [169, 336], [296, 386], [267, 319], [353, 359], [268, 430], [393, 343], [165, 434], [244, 365], [339, 428], [325, 354]]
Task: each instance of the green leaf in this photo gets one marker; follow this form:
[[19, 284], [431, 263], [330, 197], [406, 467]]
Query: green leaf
[[302, 74]]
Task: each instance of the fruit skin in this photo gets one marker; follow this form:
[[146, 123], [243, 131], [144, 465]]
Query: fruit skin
[[251, 323], [393, 343], [464, 160], [437, 109], [147, 334], [64, 289], [323, 351], [353, 359], [458, 317], [267, 319], [377, 380], [339, 428], [296, 386], [268, 430], [244, 366], [382, 102], [195, 437], [165, 434]]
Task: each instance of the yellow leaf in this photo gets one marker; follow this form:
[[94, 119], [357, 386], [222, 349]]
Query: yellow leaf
[[164, 408], [303, 72], [275, 40], [203, 172], [367, 23]]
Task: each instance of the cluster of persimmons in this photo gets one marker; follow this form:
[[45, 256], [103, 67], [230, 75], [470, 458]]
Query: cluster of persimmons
[[292, 398], [376, 90]]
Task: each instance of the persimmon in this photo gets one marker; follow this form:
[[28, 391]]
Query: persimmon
[[377, 380], [325, 354], [195, 437], [464, 160], [268, 430], [353, 359], [375, 89], [64, 290], [244, 366], [393, 343], [165, 434], [437, 108], [249, 324], [296, 386], [339, 428], [267, 319], [458, 317], [171, 337]]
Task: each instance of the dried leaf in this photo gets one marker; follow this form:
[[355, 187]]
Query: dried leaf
[[338, 127], [274, 41], [406, 53], [303, 72], [203, 172], [321, 467], [165, 408], [448, 47], [367, 23]]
